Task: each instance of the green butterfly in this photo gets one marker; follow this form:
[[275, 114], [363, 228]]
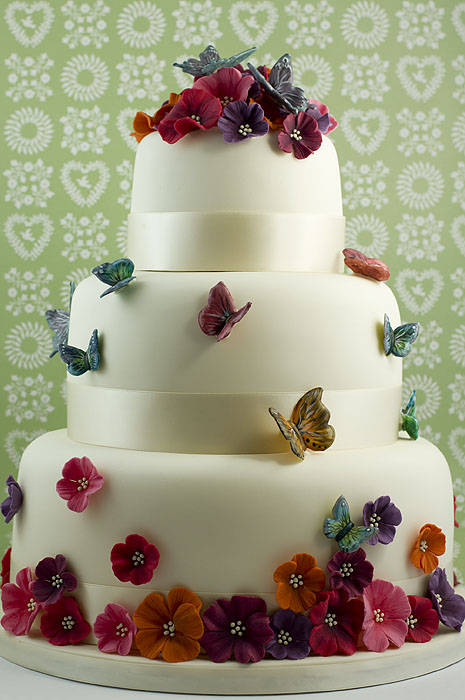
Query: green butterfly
[[340, 527], [398, 341], [116, 274], [408, 418], [81, 361]]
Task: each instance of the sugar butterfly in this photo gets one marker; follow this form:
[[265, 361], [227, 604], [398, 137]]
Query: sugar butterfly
[[81, 361], [58, 320], [398, 341], [279, 85], [408, 418], [117, 274], [209, 61], [308, 426], [340, 527], [220, 315]]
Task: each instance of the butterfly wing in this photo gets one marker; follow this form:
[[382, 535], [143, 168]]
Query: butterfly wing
[[281, 73], [355, 537], [404, 336], [332, 527], [92, 354], [388, 335], [58, 320], [75, 358], [290, 432], [311, 417], [410, 425], [220, 306]]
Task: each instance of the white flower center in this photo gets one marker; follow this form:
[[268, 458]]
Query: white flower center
[[31, 605], [378, 615], [168, 629], [121, 630], [237, 628], [295, 134], [57, 581], [245, 129], [374, 519], [439, 599], [411, 621], [226, 100], [195, 117], [295, 580], [346, 569], [423, 545], [330, 619], [284, 638], [83, 484], [138, 559], [68, 622]]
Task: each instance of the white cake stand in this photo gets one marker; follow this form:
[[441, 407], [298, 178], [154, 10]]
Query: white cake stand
[[83, 662]]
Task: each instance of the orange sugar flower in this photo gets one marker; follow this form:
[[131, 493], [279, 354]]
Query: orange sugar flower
[[430, 543], [299, 580], [164, 109], [144, 124], [171, 628]]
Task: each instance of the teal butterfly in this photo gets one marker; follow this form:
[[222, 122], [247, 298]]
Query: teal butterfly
[[58, 320], [399, 341], [117, 274], [408, 418], [340, 527], [81, 361], [209, 61]]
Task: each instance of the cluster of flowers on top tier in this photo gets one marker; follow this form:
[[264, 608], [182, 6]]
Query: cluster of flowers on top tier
[[243, 103]]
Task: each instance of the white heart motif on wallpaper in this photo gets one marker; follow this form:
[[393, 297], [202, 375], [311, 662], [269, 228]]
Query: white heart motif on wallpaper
[[28, 235], [458, 20], [365, 130], [85, 182], [17, 441], [253, 22], [420, 77], [457, 445], [419, 289], [29, 22]]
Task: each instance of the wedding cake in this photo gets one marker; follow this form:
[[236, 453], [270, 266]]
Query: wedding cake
[[232, 485]]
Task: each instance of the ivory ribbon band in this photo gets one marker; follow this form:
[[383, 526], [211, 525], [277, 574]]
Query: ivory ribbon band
[[221, 423], [236, 242]]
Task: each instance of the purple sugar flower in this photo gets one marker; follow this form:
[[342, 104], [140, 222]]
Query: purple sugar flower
[[13, 501], [383, 515], [241, 121], [52, 580], [350, 572], [291, 635], [239, 626], [449, 605]]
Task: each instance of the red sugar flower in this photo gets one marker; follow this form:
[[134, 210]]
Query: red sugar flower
[[423, 621], [134, 560], [195, 110], [337, 622], [144, 124], [6, 562], [80, 480], [19, 605], [115, 630], [300, 134], [228, 84], [62, 623], [386, 611]]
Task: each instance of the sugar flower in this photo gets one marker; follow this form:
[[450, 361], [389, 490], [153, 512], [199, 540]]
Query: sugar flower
[[80, 480], [238, 627], [115, 630], [12, 503], [359, 263], [300, 134], [134, 560], [423, 621], [241, 121], [429, 545], [449, 605], [291, 634], [320, 112], [195, 110], [62, 623], [19, 605], [350, 571], [6, 563], [386, 611], [52, 580], [455, 512], [227, 84], [299, 580], [384, 515], [336, 623], [172, 628], [144, 124]]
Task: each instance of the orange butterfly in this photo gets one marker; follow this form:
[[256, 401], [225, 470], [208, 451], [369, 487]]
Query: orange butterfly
[[308, 427]]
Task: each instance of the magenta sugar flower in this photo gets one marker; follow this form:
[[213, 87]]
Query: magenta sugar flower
[[423, 620], [227, 84], [385, 516], [52, 580], [80, 480], [238, 627], [386, 611], [195, 110], [134, 560], [449, 605], [241, 121], [19, 605], [350, 571], [62, 623], [12, 503], [336, 623], [291, 634], [115, 630], [300, 134]]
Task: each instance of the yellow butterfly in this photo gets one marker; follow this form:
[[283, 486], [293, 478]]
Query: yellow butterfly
[[308, 427]]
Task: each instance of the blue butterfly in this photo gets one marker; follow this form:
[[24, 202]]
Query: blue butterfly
[[408, 418], [210, 61], [399, 341], [117, 274], [341, 528], [279, 85], [81, 361], [58, 320]]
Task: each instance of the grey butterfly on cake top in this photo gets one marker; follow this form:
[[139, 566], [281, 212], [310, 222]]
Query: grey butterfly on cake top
[[279, 85], [58, 320], [209, 61]]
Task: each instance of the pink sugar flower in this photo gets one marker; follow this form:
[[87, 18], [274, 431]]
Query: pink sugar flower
[[115, 630], [62, 623], [227, 84], [19, 605], [423, 621], [80, 480], [134, 560], [195, 110], [300, 134], [386, 611]]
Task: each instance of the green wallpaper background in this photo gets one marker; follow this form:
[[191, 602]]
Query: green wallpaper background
[[74, 74]]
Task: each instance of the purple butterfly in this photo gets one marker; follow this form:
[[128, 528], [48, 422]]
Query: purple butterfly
[[220, 315]]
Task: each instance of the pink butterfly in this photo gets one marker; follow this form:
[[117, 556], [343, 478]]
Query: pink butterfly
[[220, 315], [369, 267]]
